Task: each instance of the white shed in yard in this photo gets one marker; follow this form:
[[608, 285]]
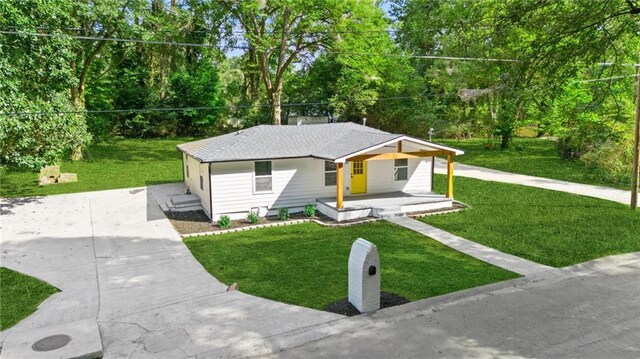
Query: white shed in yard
[[348, 170]]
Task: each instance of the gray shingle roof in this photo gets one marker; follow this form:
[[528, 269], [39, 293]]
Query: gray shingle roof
[[328, 141]]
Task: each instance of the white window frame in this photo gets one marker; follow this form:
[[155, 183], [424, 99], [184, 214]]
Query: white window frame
[[395, 168], [324, 173], [255, 191]]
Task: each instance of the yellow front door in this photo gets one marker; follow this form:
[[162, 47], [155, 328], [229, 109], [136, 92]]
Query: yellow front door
[[358, 177]]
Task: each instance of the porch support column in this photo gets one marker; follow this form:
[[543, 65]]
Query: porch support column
[[450, 176], [339, 185]]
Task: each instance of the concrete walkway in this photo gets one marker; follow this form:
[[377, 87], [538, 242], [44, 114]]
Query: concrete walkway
[[476, 250], [118, 260], [607, 193], [587, 311]]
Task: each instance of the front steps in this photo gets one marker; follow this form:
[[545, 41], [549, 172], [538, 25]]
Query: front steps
[[182, 203], [387, 212]]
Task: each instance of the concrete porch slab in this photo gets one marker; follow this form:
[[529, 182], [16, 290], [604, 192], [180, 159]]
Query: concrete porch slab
[[382, 205], [381, 200]]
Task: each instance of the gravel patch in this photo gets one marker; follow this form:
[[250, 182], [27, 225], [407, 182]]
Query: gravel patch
[[345, 307], [190, 222]]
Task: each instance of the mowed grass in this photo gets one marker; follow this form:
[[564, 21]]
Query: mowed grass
[[529, 156], [20, 296], [548, 227], [120, 163], [306, 264]]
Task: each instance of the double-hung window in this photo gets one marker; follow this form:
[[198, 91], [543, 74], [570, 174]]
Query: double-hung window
[[329, 173], [400, 169], [263, 181]]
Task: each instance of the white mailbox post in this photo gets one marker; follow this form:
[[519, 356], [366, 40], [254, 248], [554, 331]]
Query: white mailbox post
[[364, 276]]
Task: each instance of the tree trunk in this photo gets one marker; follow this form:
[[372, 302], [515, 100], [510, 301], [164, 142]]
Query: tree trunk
[[77, 97], [505, 139], [276, 103], [252, 76], [77, 100]]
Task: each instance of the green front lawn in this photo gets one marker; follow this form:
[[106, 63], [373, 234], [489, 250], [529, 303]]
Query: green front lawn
[[553, 228], [306, 264], [120, 163], [529, 156], [20, 296]]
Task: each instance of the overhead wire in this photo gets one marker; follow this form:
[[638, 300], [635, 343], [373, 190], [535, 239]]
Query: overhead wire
[[218, 31], [208, 108], [171, 43], [154, 42], [114, 39], [609, 78]]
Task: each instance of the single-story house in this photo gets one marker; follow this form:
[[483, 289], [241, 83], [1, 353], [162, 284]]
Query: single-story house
[[348, 170]]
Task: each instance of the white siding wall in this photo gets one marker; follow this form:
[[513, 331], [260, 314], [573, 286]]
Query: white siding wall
[[419, 175], [295, 182], [380, 176], [197, 169]]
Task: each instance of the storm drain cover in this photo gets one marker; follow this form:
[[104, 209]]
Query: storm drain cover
[[52, 342]]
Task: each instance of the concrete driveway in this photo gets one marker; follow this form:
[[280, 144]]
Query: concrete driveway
[[488, 174], [117, 259]]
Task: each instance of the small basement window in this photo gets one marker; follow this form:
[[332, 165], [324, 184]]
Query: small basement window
[[400, 169], [329, 173], [263, 181]]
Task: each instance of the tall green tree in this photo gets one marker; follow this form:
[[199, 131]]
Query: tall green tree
[[280, 33], [160, 72], [37, 123], [550, 41], [480, 94]]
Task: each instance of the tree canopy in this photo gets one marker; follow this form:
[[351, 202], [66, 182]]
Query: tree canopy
[[84, 69]]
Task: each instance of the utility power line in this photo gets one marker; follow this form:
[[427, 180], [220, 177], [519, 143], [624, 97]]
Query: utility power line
[[206, 108], [609, 78], [114, 39], [435, 57], [616, 64], [242, 32], [170, 43]]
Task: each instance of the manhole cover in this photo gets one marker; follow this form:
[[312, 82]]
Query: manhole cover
[[52, 342]]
